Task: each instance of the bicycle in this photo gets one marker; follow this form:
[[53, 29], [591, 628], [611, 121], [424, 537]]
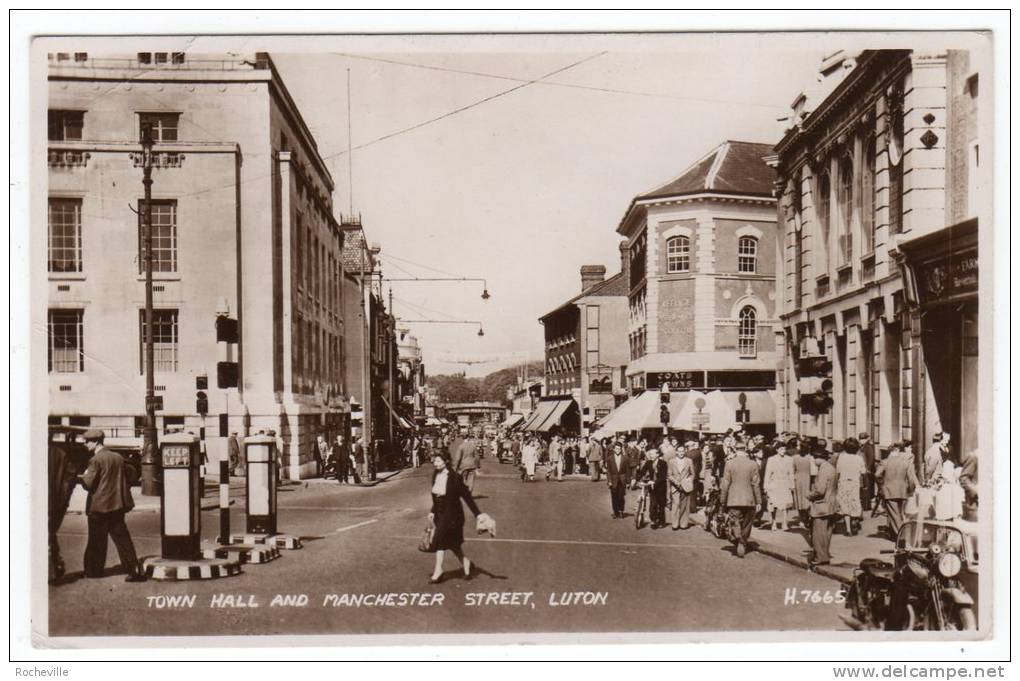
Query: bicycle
[[642, 504]]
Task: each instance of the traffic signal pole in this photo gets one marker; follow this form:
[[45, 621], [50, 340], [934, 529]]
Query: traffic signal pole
[[150, 482]]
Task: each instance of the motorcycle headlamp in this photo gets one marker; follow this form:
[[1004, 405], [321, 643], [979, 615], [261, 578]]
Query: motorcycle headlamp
[[950, 564]]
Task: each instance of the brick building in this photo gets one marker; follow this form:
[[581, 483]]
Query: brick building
[[701, 279]]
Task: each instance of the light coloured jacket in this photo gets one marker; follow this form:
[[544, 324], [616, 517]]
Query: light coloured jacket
[[741, 483]]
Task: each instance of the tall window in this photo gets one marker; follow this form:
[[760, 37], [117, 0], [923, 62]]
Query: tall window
[[747, 255], [845, 200], [747, 332], [65, 126], [165, 340], [64, 248], [822, 213], [164, 125], [867, 202], [678, 254], [796, 205], [164, 236], [66, 342], [896, 175], [298, 254]]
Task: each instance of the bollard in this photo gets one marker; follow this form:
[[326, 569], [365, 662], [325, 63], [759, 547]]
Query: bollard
[[180, 517], [224, 537]]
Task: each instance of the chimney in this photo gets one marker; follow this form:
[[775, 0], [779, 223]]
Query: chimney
[[625, 262], [591, 275]]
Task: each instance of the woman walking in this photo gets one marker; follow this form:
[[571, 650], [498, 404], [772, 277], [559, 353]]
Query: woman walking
[[447, 515], [850, 473], [779, 483], [530, 460]]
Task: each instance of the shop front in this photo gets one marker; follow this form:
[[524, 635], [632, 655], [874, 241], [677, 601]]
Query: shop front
[[941, 275]]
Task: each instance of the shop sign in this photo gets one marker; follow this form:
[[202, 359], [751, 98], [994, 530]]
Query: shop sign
[[678, 380], [749, 380], [955, 274]]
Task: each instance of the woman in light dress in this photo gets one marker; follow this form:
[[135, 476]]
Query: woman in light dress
[[948, 491], [850, 474], [529, 457], [779, 486]]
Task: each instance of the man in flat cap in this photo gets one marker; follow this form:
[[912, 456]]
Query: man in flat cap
[[823, 507], [108, 481]]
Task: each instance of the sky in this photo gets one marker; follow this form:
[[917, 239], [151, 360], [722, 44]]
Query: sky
[[454, 175]]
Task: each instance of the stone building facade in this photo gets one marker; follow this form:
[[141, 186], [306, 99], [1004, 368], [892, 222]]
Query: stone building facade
[[243, 229], [861, 170]]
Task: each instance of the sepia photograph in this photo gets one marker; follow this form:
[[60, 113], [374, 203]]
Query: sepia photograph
[[400, 338]]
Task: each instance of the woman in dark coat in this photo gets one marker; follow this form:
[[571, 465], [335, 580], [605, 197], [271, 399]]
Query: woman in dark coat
[[448, 490]]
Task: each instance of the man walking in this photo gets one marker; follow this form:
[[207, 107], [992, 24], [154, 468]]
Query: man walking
[[617, 477], [595, 456], [681, 488], [897, 481], [467, 462], [234, 455], [108, 482], [868, 485], [933, 461], [555, 459], [740, 494], [823, 508]]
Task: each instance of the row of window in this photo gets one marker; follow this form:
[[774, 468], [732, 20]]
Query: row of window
[[747, 336], [66, 125], [66, 341], [678, 255]]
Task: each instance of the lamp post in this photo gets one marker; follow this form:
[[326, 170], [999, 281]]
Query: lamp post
[[485, 284], [150, 482], [481, 330]]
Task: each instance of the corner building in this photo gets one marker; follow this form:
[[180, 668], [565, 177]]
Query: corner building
[[702, 278], [243, 228]]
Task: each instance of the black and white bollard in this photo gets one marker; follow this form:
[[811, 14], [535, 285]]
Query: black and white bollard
[[260, 517], [248, 552]]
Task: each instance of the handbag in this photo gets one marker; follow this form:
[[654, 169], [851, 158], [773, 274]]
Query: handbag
[[428, 538]]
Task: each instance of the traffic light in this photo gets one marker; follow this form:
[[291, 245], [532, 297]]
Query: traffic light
[[815, 395], [226, 374], [201, 403]]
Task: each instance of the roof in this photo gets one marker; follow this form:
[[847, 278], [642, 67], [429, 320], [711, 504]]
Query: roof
[[733, 167], [352, 255], [613, 286]]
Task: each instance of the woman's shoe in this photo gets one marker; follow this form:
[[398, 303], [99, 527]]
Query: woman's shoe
[[435, 580]]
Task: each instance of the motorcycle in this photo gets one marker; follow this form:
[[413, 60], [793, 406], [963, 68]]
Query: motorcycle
[[929, 586], [716, 518]]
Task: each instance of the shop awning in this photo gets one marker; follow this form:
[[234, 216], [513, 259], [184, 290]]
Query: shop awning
[[559, 409], [513, 420], [639, 412], [716, 411], [540, 414]]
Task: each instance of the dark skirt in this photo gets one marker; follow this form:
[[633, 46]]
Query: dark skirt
[[449, 519]]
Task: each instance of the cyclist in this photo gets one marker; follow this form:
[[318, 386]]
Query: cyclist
[[654, 473]]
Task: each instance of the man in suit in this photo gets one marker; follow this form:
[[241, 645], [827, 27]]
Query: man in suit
[[634, 454], [453, 449], [897, 480], [740, 493], [868, 454], [595, 456], [681, 489], [823, 507], [933, 461], [617, 477], [555, 458], [515, 450], [108, 481], [467, 462]]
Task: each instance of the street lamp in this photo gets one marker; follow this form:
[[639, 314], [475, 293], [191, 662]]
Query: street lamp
[[481, 330], [485, 285]]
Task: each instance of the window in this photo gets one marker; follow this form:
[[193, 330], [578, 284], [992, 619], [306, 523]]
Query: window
[[747, 255], [822, 213], [747, 332], [65, 126], [81, 56], [845, 202], [165, 340], [593, 316], [64, 248], [796, 205], [164, 125], [66, 348], [177, 57], [867, 202], [896, 175], [164, 236], [145, 57], [678, 254]]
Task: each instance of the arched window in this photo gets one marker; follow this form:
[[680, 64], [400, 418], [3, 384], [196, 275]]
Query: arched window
[[747, 332], [678, 254], [896, 174], [845, 199], [747, 255], [822, 213], [867, 202]]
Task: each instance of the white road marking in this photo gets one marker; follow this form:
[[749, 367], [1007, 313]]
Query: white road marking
[[288, 507], [579, 542], [351, 527]]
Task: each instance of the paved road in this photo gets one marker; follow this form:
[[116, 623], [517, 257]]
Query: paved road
[[554, 540]]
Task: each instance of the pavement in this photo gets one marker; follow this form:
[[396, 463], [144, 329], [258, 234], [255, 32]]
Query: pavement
[[793, 546], [558, 563]]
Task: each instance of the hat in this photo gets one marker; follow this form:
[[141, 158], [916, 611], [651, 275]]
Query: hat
[[862, 436], [93, 435]]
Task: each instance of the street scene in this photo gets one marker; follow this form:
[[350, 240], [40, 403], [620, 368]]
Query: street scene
[[650, 334]]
